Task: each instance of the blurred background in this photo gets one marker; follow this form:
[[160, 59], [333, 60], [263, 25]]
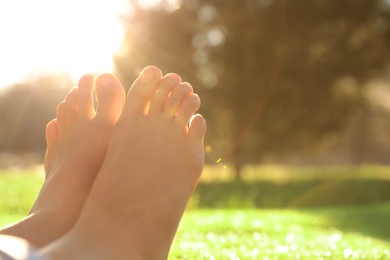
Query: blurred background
[[296, 95], [289, 88]]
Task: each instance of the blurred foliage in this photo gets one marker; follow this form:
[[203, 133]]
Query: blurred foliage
[[279, 79], [303, 81], [25, 109]]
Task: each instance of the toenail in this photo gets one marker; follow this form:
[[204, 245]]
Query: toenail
[[148, 75], [105, 80]]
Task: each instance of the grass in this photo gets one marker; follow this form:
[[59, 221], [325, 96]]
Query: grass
[[345, 233], [307, 193], [240, 229], [18, 192], [276, 186]]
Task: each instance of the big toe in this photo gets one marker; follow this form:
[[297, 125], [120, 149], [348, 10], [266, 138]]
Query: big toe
[[142, 90], [110, 98]]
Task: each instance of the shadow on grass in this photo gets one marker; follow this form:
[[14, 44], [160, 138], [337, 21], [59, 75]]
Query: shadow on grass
[[368, 220], [348, 205], [314, 193]]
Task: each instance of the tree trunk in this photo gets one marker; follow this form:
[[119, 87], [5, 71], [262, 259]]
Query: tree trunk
[[238, 172]]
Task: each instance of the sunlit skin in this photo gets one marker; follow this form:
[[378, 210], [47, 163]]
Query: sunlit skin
[[77, 141], [76, 146], [152, 165]]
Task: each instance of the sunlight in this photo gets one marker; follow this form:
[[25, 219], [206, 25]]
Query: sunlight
[[148, 3], [46, 36], [165, 5]]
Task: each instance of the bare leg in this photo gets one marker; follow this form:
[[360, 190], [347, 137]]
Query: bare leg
[[76, 146], [152, 165]]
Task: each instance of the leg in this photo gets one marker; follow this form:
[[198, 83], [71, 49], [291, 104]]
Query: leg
[[153, 163], [76, 146]]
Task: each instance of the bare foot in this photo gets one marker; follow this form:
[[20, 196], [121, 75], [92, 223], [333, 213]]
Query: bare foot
[[76, 146], [153, 163]]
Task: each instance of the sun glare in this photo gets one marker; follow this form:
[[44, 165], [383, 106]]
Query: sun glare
[[148, 3], [49, 36]]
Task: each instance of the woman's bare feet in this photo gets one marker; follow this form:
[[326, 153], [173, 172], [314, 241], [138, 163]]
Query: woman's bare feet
[[76, 145], [152, 165]]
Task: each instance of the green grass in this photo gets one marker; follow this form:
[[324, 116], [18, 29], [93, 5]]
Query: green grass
[[344, 233], [242, 229], [275, 186], [18, 192], [307, 193]]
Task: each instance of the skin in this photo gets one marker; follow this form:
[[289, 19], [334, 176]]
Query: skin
[[152, 165], [76, 145]]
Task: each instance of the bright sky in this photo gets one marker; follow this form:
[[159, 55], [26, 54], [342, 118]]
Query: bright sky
[[48, 36]]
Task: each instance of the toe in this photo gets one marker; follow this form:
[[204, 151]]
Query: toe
[[85, 96], [142, 90], [51, 133], [51, 140], [61, 113], [175, 99], [66, 110], [160, 95], [197, 127], [110, 98], [187, 109], [71, 104]]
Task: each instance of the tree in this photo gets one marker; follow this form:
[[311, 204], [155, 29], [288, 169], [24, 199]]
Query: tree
[[25, 109], [276, 76]]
